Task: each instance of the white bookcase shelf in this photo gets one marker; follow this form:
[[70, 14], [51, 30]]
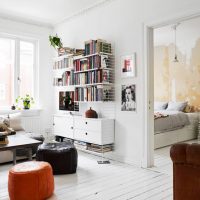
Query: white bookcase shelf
[[89, 80]]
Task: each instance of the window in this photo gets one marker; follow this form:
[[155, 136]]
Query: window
[[17, 69]]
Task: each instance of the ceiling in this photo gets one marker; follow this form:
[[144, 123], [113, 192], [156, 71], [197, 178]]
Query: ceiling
[[44, 12]]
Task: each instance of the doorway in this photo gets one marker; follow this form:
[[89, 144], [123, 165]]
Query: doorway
[[149, 31]]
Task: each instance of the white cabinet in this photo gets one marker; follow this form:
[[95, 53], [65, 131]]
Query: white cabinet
[[97, 131], [63, 126]]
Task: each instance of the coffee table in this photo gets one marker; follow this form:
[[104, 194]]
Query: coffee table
[[20, 142]]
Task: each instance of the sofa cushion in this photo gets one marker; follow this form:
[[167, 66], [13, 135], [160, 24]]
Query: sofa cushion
[[15, 121]]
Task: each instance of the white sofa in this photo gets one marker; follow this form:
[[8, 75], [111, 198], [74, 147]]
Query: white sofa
[[14, 121]]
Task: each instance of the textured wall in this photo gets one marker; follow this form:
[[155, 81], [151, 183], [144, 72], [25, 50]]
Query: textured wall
[[177, 81]]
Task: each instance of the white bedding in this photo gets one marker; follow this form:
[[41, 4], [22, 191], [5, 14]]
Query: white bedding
[[174, 120], [187, 132]]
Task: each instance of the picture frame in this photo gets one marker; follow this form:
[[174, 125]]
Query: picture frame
[[128, 66], [128, 97]]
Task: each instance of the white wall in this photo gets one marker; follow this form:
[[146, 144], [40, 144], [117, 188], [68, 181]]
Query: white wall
[[45, 65], [121, 22]]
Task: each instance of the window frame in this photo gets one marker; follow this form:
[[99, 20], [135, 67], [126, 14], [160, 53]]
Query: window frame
[[16, 85]]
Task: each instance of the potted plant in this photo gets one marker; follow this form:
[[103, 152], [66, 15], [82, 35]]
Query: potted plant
[[27, 101], [55, 42]]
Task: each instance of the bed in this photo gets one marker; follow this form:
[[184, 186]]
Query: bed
[[174, 126]]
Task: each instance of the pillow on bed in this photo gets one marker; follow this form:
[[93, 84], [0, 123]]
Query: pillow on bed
[[160, 105], [177, 106]]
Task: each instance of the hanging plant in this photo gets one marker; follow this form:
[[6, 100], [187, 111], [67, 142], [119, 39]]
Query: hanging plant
[[55, 42]]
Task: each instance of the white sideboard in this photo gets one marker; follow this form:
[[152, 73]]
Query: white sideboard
[[97, 131]]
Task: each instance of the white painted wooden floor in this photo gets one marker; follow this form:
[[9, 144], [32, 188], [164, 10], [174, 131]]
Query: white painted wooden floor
[[104, 182], [162, 160]]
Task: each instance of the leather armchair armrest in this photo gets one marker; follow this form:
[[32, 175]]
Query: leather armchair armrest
[[185, 153], [178, 153]]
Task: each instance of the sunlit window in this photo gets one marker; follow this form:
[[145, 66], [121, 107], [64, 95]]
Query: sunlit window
[[17, 67], [26, 68]]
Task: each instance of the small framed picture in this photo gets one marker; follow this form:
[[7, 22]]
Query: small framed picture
[[128, 97], [128, 66]]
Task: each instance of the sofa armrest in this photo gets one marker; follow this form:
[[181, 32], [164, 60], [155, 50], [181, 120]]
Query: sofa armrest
[[185, 154]]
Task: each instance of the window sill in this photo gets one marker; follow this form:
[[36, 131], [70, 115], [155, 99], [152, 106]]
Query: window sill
[[25, 113]]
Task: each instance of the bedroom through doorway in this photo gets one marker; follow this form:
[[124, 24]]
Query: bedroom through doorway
[[176, 88]]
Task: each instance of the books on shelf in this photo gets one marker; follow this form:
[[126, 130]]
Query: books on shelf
[[94, 93], [67, 79], [93, 147], [64, 63], [93, 62], [97, 46], [90, 74], [100, 148], [80, 145], [93, 77]]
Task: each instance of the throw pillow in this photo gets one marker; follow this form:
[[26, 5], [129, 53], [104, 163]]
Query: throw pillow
[[15, 121], [160, 105]]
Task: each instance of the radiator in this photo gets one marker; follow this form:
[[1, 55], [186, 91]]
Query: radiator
[[31, 124]]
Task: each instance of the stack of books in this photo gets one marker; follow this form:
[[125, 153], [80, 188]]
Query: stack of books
[[80, 145], [65, 51], [100, 148], [79, 52]]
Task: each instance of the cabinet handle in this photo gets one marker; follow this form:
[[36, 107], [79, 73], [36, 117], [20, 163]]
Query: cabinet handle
[[85, 133], [53, 124], [85, 122]]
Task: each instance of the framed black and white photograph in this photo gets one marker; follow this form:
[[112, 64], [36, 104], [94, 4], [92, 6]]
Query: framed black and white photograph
[[128, 97], [128, 66]]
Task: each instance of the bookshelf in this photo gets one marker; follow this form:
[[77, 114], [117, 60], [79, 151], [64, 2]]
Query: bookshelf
[[89, 76], [94, 73], [87, 79]]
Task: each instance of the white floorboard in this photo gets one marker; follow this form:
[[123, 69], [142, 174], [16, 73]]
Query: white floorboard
[[115, 181]]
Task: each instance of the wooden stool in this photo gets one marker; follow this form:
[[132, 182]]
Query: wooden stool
[[31, 180]]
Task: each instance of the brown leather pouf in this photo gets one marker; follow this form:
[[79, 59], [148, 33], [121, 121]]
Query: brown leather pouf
[[31, 181]]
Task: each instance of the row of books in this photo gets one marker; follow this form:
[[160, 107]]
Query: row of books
[[97, 46], [93, 62], [93, 147], [91, 77], [67, 79], [93, 93], [64, 63]]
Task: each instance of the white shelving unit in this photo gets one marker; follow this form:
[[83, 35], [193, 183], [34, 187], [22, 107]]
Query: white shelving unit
[[97, 73]]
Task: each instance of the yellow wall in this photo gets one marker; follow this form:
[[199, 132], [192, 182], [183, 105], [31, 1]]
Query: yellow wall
[[186, 74]]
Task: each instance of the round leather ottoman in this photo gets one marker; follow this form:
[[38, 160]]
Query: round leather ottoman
[[62, 156], [31, 181]]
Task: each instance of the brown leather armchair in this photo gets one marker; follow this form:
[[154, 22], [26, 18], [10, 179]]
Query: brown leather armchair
[[186, 171]]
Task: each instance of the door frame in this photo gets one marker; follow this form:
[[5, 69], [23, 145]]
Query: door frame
[[148, 55]]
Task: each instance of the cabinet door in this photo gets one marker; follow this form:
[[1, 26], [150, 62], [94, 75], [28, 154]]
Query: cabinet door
[[63, 126]]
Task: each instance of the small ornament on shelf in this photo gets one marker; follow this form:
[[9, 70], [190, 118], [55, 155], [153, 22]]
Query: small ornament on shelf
[[91, 113]]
